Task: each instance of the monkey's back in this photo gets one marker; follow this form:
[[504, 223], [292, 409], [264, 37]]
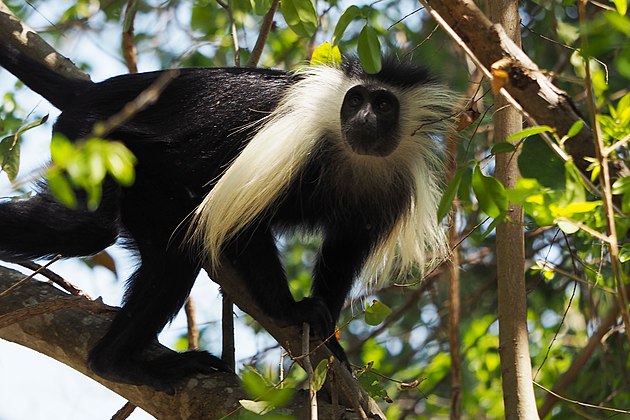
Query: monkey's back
[[184, 140]]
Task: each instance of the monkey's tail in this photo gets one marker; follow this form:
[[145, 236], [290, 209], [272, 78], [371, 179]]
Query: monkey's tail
[[59, 90], [41, 227]]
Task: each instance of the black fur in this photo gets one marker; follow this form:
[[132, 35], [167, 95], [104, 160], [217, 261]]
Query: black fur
[[182, 142]]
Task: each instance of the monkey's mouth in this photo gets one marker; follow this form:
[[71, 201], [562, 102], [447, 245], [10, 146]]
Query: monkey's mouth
[[368, 142]]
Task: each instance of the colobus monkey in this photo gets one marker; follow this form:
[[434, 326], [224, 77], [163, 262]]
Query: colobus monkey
[[228, 158]]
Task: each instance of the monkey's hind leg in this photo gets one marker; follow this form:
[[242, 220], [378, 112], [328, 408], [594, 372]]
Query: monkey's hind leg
[[156, 292]]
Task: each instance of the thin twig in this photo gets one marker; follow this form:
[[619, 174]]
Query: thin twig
[[192, 331], [604, 178], [265, 30], [129, 50], [583, 404], [228, 8], [549, 266], [55, 278], [308, 367], [27, 278], [124, 412]]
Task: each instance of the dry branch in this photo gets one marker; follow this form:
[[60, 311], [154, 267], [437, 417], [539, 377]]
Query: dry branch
[[543, 102]]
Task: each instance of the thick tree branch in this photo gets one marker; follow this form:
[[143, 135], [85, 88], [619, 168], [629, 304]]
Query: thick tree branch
[[68, 326], [540, 99], [13, 31]]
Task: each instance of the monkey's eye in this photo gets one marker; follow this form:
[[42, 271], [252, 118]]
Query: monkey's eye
[[355, 100], [384, 105]]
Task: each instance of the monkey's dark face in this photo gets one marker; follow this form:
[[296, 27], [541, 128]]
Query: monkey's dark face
[[369, 120]]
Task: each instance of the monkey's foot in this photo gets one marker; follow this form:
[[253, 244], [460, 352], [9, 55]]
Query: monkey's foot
[[160, 373]]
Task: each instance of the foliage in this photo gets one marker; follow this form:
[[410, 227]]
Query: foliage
[[407, 360]]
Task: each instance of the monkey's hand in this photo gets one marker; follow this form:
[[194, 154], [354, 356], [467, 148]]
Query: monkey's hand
[[315, 312]]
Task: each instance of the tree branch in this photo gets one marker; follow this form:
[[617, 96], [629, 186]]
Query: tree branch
[[542, 101], [64, 327], [13, 31]]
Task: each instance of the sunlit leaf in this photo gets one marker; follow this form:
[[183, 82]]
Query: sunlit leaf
[[567, 226], [576, 127], [258, 407], [622, 6], [327, 55], [61, 188], [531, 131]]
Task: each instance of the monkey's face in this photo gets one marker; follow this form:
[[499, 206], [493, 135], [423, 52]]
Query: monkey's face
[[369, 120]]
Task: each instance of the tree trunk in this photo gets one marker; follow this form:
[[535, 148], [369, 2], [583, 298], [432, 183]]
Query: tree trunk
[[518, 392]]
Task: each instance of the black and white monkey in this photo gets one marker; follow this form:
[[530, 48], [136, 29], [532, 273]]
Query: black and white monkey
[[227, 159]]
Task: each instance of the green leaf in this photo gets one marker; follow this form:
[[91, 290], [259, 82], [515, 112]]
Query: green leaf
[[261, 7], [301, 16], [574, 208], [465, 185], [490, 194], [254, 383], [567, 226], [372, 383], [319, 374], [10, 156], [538, 161], [119, 162], [491, 227], [502, 147], [376, 313], [622, 6], [369, 49], [529, 132], [61, 188], [344, 20], [574, 188], [10, 149], [576, 127], [61, 150], [259, 407], [624, 253], [449, 194], [621, 186], [94, 194], [326, 54]]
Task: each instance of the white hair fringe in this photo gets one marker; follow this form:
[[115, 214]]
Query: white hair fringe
[[286, 138]]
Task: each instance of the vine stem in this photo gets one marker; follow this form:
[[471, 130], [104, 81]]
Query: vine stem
[[604, 178]]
